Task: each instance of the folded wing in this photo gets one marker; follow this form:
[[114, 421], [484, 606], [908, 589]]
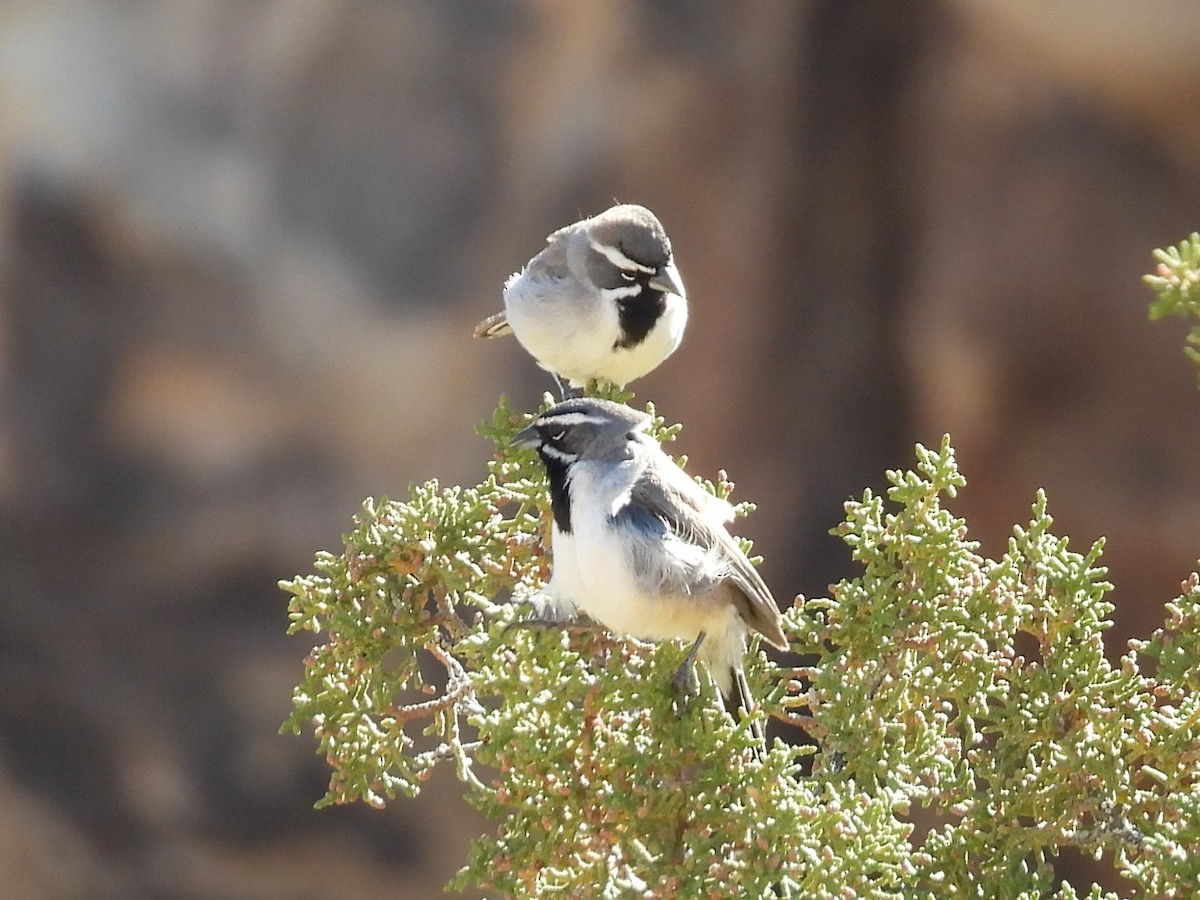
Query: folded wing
[[692, 556]]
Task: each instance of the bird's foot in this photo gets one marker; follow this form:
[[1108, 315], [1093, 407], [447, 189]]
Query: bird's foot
[[685, 684], [684, 680]]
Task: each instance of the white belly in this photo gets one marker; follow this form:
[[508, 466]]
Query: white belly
[[593, 570], [576, 339]]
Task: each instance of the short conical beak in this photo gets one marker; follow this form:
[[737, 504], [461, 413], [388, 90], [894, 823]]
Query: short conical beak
[[668, 280], [527, 438]]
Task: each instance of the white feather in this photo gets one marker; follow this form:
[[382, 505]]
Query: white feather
[[581, 344], [594, 571]]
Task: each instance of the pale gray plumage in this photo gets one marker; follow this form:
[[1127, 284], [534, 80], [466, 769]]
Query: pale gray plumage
[[602, 301], [640, 547]]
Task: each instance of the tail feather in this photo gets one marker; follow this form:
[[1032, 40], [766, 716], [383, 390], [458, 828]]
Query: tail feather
[[740, 699], [493, 326], [723, 657]]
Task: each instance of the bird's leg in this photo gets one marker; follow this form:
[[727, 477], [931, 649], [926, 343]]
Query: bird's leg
[[687, 687], [565, 391]]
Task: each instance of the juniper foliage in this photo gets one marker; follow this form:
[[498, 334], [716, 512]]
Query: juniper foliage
[[1176, 282], [966, 726]]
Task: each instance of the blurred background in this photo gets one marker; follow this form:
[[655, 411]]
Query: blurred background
[[242, 248]]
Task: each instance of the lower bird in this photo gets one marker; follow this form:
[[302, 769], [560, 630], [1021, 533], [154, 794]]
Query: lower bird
[[643, 549], [603, 300]]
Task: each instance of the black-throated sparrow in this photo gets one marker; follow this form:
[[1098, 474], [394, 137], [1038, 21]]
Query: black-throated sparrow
[[602, 301], [640, 547]]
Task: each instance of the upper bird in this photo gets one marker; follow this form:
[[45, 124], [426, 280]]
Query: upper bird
[[641, 547], [602, 301]]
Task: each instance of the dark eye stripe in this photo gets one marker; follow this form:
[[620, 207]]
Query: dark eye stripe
[[619, 258]]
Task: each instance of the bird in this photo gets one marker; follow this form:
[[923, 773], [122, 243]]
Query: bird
[[602, 301], [641, 548]]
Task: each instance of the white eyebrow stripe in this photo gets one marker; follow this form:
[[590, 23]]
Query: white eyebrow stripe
[[575, 418], [617, 258]]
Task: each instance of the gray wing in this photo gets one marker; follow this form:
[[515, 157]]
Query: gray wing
[[681, 545], [550, 263]]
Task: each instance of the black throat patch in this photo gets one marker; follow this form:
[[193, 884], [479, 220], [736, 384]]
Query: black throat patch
[[560, 496], [638, 315]]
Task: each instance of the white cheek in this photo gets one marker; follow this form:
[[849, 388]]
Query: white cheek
[[620, 293], [554, 453]]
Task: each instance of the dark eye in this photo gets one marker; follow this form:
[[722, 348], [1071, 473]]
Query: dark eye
[[558, 435], [628, 275]]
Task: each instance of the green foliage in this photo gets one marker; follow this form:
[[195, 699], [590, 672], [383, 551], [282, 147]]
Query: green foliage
[[978, 691], [967, 725], [1176, 281]]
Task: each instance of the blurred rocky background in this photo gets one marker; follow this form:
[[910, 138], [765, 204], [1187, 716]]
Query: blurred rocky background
[[242, 247]]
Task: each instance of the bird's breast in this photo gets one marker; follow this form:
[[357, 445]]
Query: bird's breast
[[594, 568], [563, 324]]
